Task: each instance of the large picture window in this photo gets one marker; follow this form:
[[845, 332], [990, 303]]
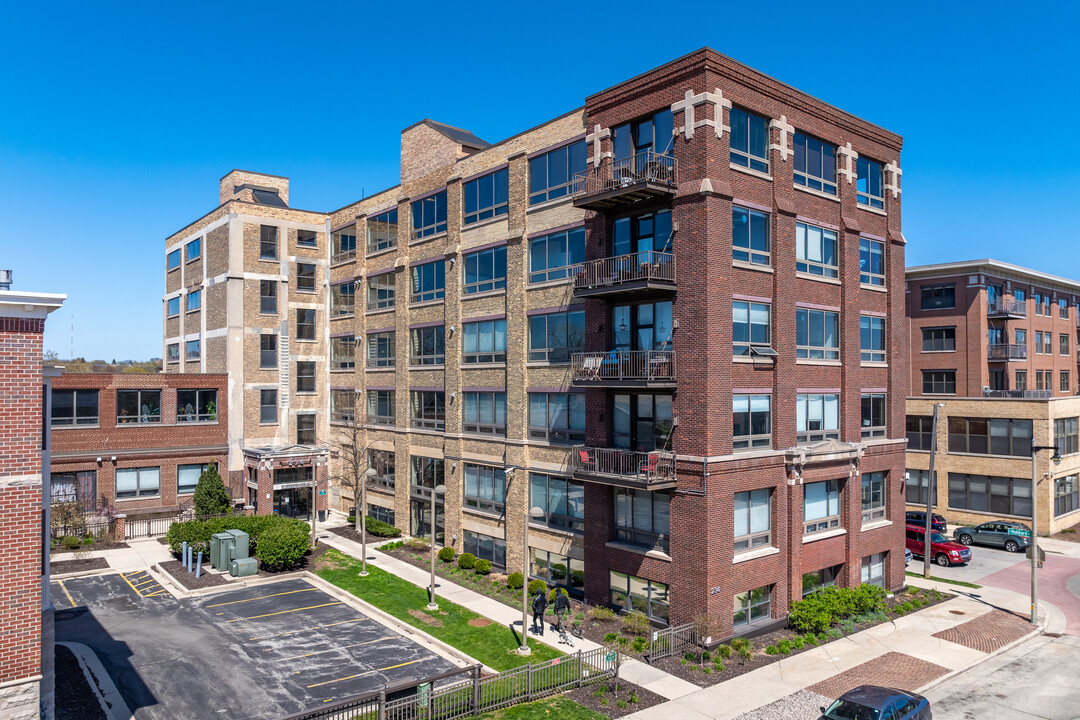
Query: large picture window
[[554, 336], [138, 482], [939, 382], [938, 297], [943, 339], [429, 215], [753, 519], [557, 417], [817, 334], [990, 436], [635, 594], [484, 342], [552, 174], [553, 257], [816, 251], [487, 197], [558, 571], [196, 405], [485, 547], [138, 406], [485, 488], [74, 407], [642, 518], [485, 271], [485, 413], [821, 506], [561, 499], [983, 493]]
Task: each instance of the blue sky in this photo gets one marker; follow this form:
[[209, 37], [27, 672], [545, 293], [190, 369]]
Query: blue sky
[[118, 118]]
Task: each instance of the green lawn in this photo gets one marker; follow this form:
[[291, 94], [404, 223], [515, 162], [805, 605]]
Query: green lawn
[[492, 645], [961, 583], [556, 708]]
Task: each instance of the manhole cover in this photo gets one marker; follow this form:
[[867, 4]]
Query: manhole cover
[[957, 612], [479, 622]]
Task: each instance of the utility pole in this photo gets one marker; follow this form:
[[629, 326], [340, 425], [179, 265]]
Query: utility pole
[[931, 490], [1034, 550]]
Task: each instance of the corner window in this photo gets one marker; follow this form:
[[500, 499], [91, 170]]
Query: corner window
[[487, 197], [305, 377], [74, 407], [817, 334], [634, 594], [428, 409], [138, 406], [268, 407], [305, 277], [873, 497], [751, 422], [429, 281], [821, 506], [187, 478], [485, 488], [1066, 495], [561, 499], [196, 406], [554, 336], [552, 257], [817, 417], [816, 251], [172, 306], [642, 518], [753, 520], [485, 271], [871, 262], [938, 297], [172, 260], [873, 415], [557, 417], [380, 291], [380, 349], [268, 297], [1066, 435], [869, 185], [939, 382], [306, 238], [382, 231], [305, 429], [342, 298], [268, 352], [427, 345], [943, 339], [751, 326], [651, 135], [815, 164], [749, 140], [194, 249], [305, 324], [192, 350], [552, 174], [268, 242], [138, 482], [429, 215], [750, 236], [484, 413], [343, 245], [871, 338], [752, 607], [485, 342], [194, 300]]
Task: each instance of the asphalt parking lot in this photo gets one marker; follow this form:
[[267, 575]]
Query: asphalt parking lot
[[260, 652], [985, 561]]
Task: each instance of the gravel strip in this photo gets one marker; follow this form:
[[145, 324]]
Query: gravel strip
[[801, 705]]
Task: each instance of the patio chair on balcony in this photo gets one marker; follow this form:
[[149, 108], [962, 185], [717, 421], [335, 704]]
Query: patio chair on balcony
[[586, 462], [590, 370], [648, 465]]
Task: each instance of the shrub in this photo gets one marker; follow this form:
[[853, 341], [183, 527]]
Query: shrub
[[747, 653], [88, 540], [636, 623], [810, 639], [740, 644], [351, 520], [602, 613], [537, 586], [483, 566], [282, 546], [557, 591], [706, 670], [197, 533], [690, 656], [610, 637], [772, 650], [447, 554], [718, 666], [392, 545], [211, 497], [632, 697], [380, 529], [70, 542], [797, 643], [639, 644], [515, 580], [466, 561], [723, 651], [834, 633], [622, 640], [706, 656], [817, 612], [784, 646]]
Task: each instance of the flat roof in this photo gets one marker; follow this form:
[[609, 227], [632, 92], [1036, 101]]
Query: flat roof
[[990, 266]]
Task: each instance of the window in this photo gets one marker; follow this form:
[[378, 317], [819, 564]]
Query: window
[[305, 324], [990, 436], [187, 478], [138, 482], [868, 187], [644, 236], [1042, 303], [814, 581], [138, 406], [268, 407], [380, 407], [939, 382], [429, 281], [871, 262], [552, 174], [635, 594], [428, 409], [485, 413], [919, 432], [943, 339], [751, 326], [305, 277], [172, 352], [380, 349], [817, 334], [751, 422], [983, 493], [194, 249], [305, 428], [268, 352], [641, 421], [1048, 341], [428, 345], [378, 512], [1066, 495], [1019, 296], [561, 499], [752, 607], [172, 260], [485, 270], [1039, 380], [341, 352], [557, 417], [305, 377], [558, 571], [76, 487], [194, 300], [268, 242], [343, 245], [427, 473], [873, 570], [1063, 382], [1065, 435], [487, 197], [485, 342], [196, 405], [382, 231], [871, 338], [485, 488], [873, 497], [1021, 337], [816, 251], [268, 297], [815, 164], [1063, 347], [380, 291], [642, 518], [429, 215], [192, 350], [172, 306], [817, 417], [74, 407], [306, 238], [749, 140], [552, 257], [342, 406], [938, 297], [553, 336], [1038, 342], [1021, 380], [750, 236], [652, 133], [753, 519], [917, 484], [821, 506], [1063, 308], [342, 297], [385, 468], [485, 547], [873, 415]]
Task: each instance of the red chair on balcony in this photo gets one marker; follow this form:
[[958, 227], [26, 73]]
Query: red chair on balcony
[[586, 462], [648, 466]]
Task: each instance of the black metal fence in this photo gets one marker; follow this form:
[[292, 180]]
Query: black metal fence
[[80, 526]]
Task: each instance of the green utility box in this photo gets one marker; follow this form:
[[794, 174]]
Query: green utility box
[[221, 547], [244, 567], [241, 545]]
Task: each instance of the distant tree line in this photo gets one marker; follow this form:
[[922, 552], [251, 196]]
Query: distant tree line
[[82, 365]]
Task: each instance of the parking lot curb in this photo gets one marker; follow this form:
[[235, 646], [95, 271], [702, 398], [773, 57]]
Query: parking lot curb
[[83, 573], [112, 702]]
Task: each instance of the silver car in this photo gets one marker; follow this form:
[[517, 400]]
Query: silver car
[[1012, 536]]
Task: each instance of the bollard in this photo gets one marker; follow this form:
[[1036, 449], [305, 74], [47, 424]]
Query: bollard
[[183, 553], [198, 567], [189, 551]]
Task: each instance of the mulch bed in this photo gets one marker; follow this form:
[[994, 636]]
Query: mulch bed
[[349, 533], [176, 569], [1070, 534], [601, 698], [97, 545], [75, 700], [59, 567]]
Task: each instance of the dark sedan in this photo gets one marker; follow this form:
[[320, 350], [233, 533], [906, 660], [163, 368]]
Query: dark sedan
[[872, 702], [1012, 536]]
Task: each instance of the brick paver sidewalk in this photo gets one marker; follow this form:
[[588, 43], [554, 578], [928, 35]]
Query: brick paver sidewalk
[[892, 669], [988, 632]]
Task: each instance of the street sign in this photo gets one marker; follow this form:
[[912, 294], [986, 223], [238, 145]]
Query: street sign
[[1042, 555], [1022, 532], [610, 657], [322, 492]]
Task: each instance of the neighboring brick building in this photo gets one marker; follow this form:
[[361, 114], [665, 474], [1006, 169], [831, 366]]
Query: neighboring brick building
[[997, 345], [137, 443], [643, 316], [26, 623]]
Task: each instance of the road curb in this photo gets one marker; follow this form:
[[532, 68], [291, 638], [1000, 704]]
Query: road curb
[[1038, 631], [112, 702]]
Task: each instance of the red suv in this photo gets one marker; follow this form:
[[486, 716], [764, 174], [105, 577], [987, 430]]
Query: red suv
[[945, 552]]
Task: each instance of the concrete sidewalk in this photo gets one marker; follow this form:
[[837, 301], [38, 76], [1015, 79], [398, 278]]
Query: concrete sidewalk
[[1051, 618], [139, 555]]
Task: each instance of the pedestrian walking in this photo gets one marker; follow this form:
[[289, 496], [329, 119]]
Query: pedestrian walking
[[539, 606]]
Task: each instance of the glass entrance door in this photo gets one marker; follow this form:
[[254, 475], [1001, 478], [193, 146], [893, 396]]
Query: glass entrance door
[[293, 502]]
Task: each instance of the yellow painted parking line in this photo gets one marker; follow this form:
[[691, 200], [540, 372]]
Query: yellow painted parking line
[[130, 585], [313, 627], [234, 602], [144, 582], [163, 590], [284, 612], [64, 588], [371, 672], [335, 649]]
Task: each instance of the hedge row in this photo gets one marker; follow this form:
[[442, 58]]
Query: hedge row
[[817, 612], [197, 533], [377, 527]]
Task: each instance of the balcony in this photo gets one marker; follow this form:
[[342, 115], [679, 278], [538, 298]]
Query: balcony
[[624, 368], [646, 270], [645, 176], [1020, 394], [1004, 307], [1006, 351], [625, 468]]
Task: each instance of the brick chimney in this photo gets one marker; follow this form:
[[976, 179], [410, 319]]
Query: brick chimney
[[255, 188]]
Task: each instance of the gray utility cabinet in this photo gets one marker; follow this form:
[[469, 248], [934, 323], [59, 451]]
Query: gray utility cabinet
[[221, 549], [241, 545], [243, 567]]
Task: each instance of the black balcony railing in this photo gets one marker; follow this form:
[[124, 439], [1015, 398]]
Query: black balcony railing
[[1020, 394], [649, 268], [1006, 351], [624, 367], [650, 470], [627, 180], [1005, 306]]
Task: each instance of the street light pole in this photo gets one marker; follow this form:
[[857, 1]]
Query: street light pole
[[437, 489], [1035, 528], [931, 490], [369, 474], [524, 650]]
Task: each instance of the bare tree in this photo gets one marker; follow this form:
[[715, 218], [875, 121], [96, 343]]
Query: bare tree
[[347, 447]]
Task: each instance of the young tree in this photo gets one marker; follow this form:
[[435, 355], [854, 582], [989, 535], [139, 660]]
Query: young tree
[[211, 497], [347, 447]]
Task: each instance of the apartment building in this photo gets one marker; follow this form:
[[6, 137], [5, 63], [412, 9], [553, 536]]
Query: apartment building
[[995, 345], [663, 329], [26, 613], [137, 443]]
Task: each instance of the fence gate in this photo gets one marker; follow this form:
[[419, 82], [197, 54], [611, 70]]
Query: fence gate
[[148, 527], [672, 641]]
